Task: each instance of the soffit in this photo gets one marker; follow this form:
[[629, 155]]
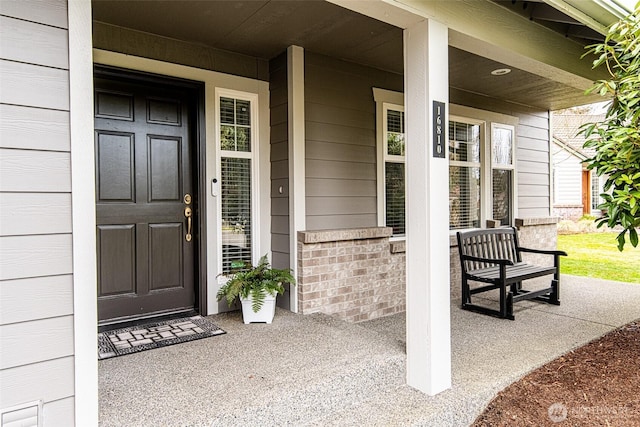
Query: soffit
[[472, 73], [265, 28]]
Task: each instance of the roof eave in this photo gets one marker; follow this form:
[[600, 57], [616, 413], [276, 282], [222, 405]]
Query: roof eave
[[598, 15], [570, 149]]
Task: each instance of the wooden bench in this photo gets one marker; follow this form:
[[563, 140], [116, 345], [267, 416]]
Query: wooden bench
[[493, 256]]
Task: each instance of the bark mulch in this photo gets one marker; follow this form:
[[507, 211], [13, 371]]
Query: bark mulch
[[595, 385]]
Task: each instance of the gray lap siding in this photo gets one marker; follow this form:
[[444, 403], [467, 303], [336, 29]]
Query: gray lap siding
[[36, 307]]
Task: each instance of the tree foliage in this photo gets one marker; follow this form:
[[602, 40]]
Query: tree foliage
[[616, 139]]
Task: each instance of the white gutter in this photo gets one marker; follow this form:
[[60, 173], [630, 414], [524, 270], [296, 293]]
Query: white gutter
[[619, 8], [584, 11]]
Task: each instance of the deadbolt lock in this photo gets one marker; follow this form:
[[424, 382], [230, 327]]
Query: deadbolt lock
[[187, 199]]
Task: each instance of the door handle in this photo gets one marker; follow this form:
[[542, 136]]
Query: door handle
[[188, 213]]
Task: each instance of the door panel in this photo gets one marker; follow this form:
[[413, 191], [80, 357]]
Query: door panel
[[114, 105], [163, 111], [116, 259], [115, 167], [164, 169], [143, 171], [165, 248]]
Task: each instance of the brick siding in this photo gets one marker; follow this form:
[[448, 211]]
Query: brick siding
[[538, 233], [570, 212], [352, 274]]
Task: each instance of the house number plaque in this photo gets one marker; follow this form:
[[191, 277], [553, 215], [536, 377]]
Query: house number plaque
[[438, 130]]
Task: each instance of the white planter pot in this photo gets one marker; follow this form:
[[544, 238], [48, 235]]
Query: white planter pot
[[264, 315]]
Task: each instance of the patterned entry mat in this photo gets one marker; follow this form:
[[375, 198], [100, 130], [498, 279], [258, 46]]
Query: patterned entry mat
[[147, 336]]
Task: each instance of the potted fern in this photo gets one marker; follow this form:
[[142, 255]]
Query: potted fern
[[256, 287]]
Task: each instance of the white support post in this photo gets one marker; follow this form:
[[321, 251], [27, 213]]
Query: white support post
[[297, 185], [85, 297], [428, 293]]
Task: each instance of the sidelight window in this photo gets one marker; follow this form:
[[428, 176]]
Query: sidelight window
[[236, 179], [394, 174], [391, 160]]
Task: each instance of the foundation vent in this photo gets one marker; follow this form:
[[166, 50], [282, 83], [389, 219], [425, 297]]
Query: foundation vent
[[25, 415]]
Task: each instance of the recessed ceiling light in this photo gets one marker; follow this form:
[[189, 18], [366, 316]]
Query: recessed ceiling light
[[501, 71]]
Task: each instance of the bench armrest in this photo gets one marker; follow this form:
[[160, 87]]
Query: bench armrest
[[544, 252], [498, 261]]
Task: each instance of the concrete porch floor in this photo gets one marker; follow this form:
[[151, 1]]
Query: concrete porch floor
[[315, 370]]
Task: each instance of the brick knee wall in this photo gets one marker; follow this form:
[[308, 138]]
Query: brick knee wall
[[351, 274], [538, 233]]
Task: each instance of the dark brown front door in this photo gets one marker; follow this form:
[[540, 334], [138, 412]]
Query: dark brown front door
[[144, 184]]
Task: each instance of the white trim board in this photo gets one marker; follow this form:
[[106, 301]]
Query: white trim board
[[383, 98], [85, 310]]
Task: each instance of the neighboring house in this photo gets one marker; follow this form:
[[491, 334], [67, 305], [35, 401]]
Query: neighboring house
[[576, 190], [145, 145]]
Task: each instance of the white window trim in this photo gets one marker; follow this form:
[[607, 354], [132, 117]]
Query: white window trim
[[511, 167], [488, 119], [483, 158], [384, 99], [253, 155], [512, 129]]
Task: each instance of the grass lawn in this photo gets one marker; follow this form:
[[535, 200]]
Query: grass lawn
[[597, 255]]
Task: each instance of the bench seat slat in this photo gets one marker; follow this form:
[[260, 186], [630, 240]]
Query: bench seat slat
[[515, 273]]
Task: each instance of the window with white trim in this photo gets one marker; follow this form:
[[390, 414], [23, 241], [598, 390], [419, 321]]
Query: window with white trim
[[465, 173], [481, 172], [482, 179], [394, 174], [391, 160], [236, 163], [502, 172]]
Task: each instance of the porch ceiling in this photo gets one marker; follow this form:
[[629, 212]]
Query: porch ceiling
[[265, 28]]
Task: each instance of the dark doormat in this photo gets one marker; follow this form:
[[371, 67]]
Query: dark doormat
[[147, 336]]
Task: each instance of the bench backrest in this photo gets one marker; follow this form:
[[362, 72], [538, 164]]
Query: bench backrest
[[493, 243]]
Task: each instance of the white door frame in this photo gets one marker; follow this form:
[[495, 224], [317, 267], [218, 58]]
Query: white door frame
[[213, 80]]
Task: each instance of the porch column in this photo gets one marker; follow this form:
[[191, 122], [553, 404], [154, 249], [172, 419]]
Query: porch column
[[427, 204], [296, 154], [85, 309]]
